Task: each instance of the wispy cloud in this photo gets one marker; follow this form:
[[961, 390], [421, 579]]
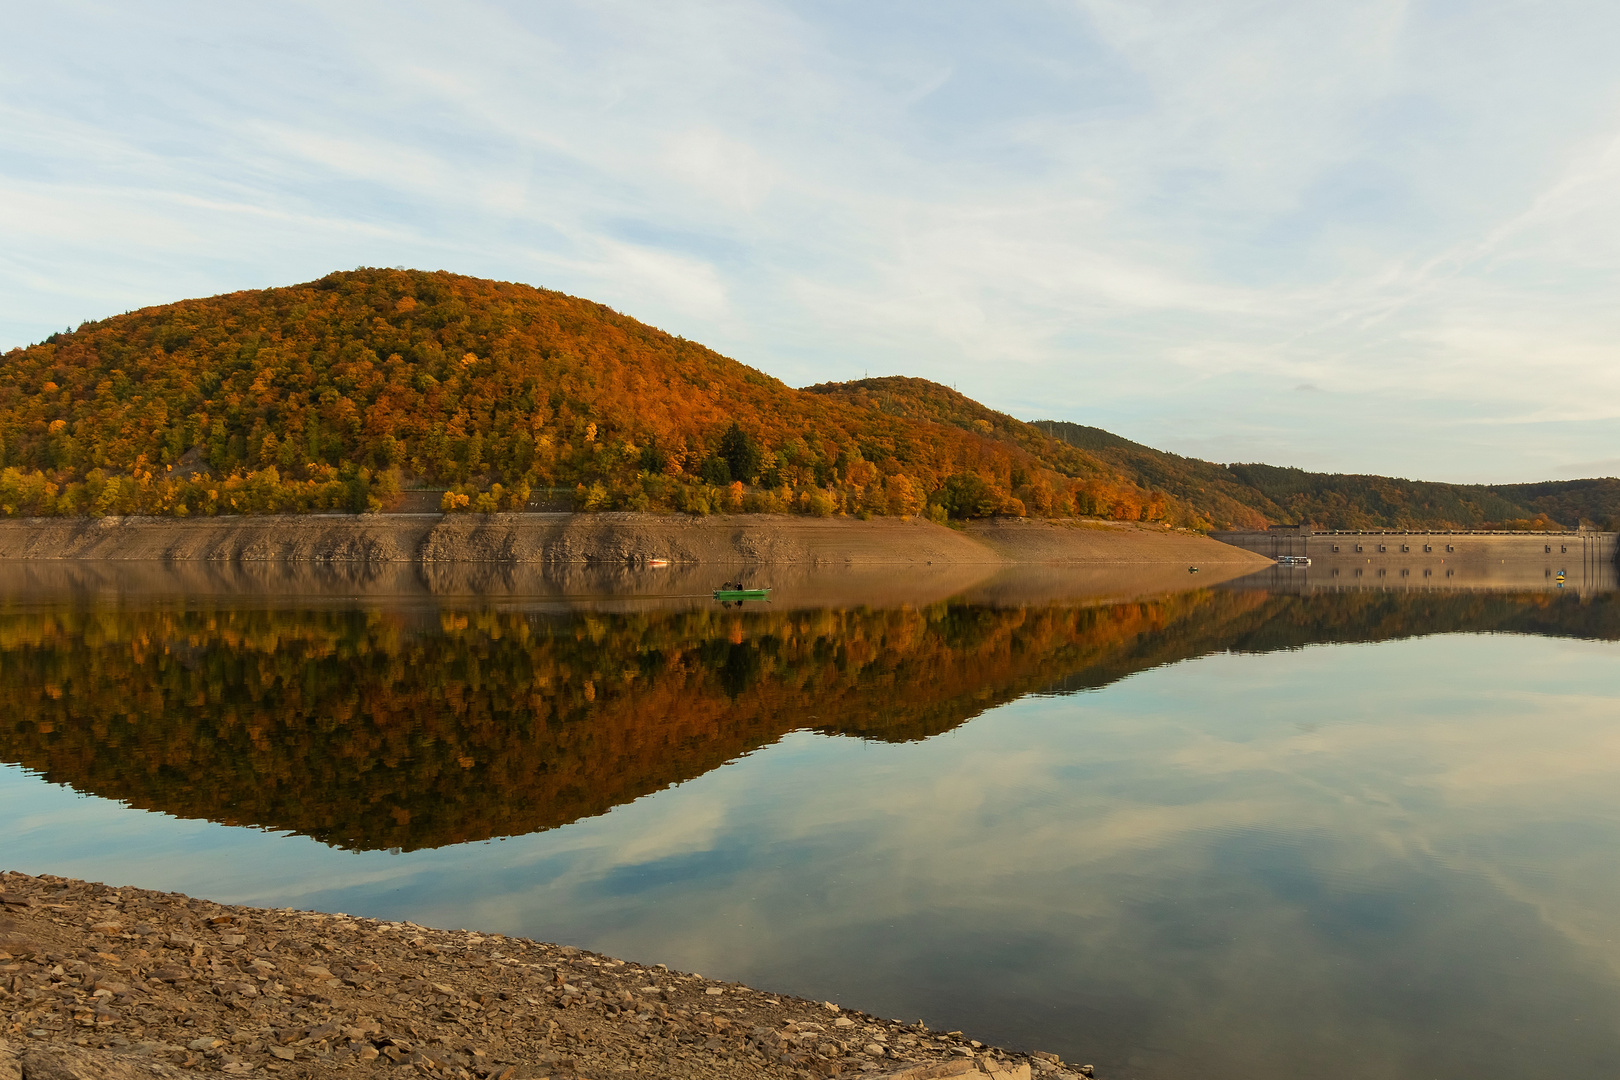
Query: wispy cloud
[[1161, 216]]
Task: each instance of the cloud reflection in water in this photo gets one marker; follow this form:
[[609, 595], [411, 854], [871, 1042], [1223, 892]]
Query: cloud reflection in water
[[1392, 857]]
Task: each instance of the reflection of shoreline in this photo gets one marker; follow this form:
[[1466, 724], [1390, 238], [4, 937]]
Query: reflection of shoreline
[[379, 727], [584, 587], [414, 728]]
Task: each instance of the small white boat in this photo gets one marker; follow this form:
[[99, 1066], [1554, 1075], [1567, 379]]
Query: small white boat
[[1293, 560]]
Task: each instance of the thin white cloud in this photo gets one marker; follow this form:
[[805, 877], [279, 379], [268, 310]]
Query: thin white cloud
[[1131, 213], [688, 284]]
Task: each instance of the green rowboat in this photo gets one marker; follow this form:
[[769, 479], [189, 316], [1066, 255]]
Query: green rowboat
[[742, 594]]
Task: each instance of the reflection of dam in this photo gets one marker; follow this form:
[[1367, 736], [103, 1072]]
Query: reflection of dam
[[1581, 561]]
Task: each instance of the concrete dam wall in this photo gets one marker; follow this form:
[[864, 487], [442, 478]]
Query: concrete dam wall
[[1582, 561]]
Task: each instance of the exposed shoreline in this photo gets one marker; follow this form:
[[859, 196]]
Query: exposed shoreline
[[609, 540], [122, 982]]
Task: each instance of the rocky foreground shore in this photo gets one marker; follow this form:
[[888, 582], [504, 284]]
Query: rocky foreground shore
[[100, 982]]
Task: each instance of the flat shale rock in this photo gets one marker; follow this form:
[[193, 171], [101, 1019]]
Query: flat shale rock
[[56, 1062], [114, 983]]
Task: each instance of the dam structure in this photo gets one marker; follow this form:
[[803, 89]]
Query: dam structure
[[1579, 560]]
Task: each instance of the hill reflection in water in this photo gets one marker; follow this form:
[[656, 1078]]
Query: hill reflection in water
[[372, 724]]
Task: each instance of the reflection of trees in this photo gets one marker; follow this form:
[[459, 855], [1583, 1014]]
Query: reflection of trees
[[367, 729]]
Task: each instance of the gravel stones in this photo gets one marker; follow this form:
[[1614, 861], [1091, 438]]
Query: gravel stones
[[109, 983]]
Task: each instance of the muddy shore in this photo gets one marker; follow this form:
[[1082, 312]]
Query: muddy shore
[[100, 982], [609, 540]]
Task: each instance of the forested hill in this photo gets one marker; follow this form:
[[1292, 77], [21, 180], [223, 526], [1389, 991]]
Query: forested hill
[[336, 393], [1345, 501], [340, 393], [1255, 495]]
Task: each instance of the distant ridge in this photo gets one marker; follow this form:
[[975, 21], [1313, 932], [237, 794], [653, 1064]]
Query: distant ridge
[[340, 393], [1349, 501]]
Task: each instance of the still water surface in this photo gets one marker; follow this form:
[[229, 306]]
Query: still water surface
[[1235, 832]]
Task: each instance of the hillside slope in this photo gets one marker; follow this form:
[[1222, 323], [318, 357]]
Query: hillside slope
[[1211, 495], [1251, 496], [1347, 501], [332, 394], [1204, 503]]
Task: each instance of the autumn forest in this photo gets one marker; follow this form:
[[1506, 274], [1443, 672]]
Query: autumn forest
[[348, 393]]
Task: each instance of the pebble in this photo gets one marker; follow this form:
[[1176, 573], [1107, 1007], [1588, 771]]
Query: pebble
[[200, 988]]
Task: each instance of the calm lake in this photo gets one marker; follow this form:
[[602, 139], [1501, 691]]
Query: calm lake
[[1250, 830]]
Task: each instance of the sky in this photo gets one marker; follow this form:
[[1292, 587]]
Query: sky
[[1367, 236]]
